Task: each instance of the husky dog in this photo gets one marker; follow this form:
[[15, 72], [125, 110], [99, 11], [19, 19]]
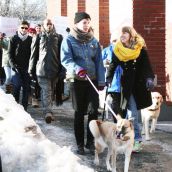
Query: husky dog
[[118, 138]]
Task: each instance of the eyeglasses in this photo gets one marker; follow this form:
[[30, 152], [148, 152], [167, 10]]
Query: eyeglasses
[[49, 24], [26, 28]]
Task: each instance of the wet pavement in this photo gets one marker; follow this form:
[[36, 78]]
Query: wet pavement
[[156, 155]]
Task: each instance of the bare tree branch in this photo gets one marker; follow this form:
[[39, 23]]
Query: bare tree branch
[[27, 10]]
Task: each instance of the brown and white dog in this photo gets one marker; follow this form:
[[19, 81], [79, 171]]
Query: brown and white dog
[[118, 138], [151, 113]]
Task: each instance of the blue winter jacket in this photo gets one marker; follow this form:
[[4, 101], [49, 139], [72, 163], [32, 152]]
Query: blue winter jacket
[[76, 55], [116, 81]]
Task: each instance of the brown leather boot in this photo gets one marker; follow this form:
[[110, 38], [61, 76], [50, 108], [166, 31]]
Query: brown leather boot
[[35, 103]]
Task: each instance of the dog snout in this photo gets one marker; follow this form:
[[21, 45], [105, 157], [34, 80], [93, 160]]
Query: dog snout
[[118, 134]]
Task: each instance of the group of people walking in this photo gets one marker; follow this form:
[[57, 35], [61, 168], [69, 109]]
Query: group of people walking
[[49, 59]]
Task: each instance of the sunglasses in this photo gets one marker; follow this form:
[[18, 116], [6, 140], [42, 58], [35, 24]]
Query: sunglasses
[[49, 24], [26, 28]]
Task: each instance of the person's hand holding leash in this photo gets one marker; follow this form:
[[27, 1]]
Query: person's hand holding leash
[[15, 69], [81, 72], [108, 82], [150, 84]]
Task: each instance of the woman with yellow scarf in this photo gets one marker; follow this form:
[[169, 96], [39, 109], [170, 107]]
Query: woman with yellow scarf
[[137, 78]]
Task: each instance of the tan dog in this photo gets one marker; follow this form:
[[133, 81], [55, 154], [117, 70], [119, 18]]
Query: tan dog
[[151, 113], [118, 138]]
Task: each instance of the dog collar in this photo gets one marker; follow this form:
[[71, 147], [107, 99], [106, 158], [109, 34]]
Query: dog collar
[[153, 109], [123, 136]]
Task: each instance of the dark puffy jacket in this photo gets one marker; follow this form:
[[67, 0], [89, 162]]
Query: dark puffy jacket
[[45, 55]]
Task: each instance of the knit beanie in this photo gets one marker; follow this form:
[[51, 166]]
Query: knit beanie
[[32, 30], [81, 15]]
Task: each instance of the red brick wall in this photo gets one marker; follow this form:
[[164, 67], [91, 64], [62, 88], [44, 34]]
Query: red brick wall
[[81, 5], [63, 7], [149, 21], [92, 8], [168, 51], [104, 32]]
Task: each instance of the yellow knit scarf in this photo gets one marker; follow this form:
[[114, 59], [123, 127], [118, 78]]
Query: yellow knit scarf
[[125, 54]]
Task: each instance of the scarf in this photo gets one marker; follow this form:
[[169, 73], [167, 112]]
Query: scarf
[[125, 54], [82, 37], [22, 37]]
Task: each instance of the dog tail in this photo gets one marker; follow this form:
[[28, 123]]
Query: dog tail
[[93, 125]]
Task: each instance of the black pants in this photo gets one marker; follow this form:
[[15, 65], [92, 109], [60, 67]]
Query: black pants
[[21, 79], [35, 88], [83, 94], [116, 99]]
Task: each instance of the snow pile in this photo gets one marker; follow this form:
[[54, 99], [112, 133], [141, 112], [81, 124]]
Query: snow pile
[[24, 148]]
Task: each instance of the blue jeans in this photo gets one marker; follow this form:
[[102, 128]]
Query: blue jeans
[[67, 89], [46, 94], [21, 79], [132, 113]]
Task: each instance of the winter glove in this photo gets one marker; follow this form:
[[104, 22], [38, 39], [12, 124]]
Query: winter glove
[[15, 70], [81, 72], [108, 82], [100, 88], [150, 84]]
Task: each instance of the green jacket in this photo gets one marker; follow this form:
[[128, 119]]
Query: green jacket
[[5, 58]]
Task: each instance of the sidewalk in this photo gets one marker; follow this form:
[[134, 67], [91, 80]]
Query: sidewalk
[[164, 126], [156, 155]]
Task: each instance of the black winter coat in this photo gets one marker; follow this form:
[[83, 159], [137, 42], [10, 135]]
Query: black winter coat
[[19, 52], [133, 80]]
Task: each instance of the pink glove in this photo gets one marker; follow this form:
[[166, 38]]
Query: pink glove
[[81, 73]]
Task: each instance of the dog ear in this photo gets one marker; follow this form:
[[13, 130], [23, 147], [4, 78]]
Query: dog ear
[[125, 138], [114, 130], [161, 99], [131, 125], [99, 122], [118, 117]]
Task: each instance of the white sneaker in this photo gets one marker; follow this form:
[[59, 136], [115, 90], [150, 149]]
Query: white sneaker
[[137, 146]]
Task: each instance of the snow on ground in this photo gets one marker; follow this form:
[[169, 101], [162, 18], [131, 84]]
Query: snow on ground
[[23, 146]]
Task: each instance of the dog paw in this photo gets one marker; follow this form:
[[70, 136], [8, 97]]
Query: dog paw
[[113, 170], [96, 162], [152, 131], [147, 138], [109, 167]]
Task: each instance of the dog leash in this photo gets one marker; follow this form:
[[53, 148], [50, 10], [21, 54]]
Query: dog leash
[[113, 113], [103, 115]]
